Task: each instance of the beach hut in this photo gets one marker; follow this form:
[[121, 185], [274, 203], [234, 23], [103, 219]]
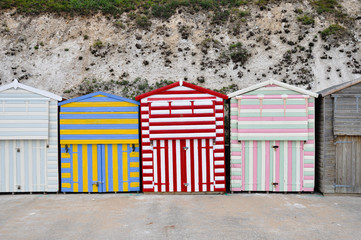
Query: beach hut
[[339, 138], [28, 139], [272, 138], [183, 139], [99, 140]]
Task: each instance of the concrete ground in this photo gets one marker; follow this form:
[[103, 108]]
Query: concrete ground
[[139, 216]]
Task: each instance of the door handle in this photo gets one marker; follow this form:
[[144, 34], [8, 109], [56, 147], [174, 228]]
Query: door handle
[[97, 183], [185, 148]]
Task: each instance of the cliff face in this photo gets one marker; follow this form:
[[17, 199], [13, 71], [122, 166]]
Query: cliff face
[[287, 41]]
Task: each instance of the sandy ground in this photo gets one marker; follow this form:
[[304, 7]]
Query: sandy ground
[[139, 216]]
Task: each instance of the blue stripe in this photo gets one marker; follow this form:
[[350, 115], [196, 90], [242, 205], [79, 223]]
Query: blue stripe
[[24, 133], [42, 167], [134, 189], [100, 136], [99, 126], [100, 167], [103, 168], [35, 175], [18, 168], [99, 99], [23, 117], [110, 168], [120, 167], [24, 125], [90, 168], [98, 116], [2, 162], [26, 166], [99, 109], [80, 168]]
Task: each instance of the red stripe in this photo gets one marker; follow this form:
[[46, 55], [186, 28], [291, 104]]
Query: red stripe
[[195, 115], [166, 166], [182, 107], [208, 166], [159, 173], [192, 173], [183, 165], [179, 98], [180, 92], [174, 147], [200, 165], [175, 138], [182, 123], [175, 131]]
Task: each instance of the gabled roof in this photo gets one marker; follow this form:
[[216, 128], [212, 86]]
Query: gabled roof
[[272, 82], [339, 87], [15, 84], [98, 93], [181, 83]]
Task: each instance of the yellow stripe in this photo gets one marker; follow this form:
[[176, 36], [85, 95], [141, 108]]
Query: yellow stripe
[[75, 170], [85, 168], [134, 184], [66, 185], [134, 174], [95, 166], [98, 121], [65, 165], [134, 154], [76, 187], [134, 164], [65, 155], [75, 148], [100, 131], [106, 169], [99, 95], [62, 145], [100, 141], [65, 175], [115, 168], [100, 104], [125, 169], [98, 112]]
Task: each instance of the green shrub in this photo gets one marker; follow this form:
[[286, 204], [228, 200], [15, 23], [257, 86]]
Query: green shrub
[[143, 22], [98, 44], [332, 30], [306, 19], [220, 17], [238, 53], [325, 6]]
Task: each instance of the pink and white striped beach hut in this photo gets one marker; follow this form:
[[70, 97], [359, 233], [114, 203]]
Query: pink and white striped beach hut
[[183, 139], [272, 138]]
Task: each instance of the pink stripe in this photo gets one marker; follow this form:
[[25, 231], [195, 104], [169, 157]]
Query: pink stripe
[[305, 130], [234, 141], [289, 181], [255, 157], [311, 116], [234, 105], [234, 117], [270, 85], [271, 118], [277, 165], [235, 165], [243, 165], [308, 189], [236, 153], [236, 189], [272, 107], [309, 177], [301, 168], [267, 164], [309, 154], [309, 165], [236, 177], [311, 104], [271, 96], [310, 142]]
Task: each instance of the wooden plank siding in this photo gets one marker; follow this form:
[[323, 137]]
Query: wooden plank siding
[[338, 141]]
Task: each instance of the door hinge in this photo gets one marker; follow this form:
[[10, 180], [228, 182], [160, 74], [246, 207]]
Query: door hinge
[[345, 186]]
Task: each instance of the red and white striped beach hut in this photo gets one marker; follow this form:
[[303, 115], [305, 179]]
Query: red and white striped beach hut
[[183, 139]]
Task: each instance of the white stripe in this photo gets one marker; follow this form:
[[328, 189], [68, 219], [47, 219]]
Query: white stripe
[[182, 135], [178, 160], [145, 124], [38, 165], [147, 171], [155, 164], [218, 163], [268, 122], [147, 179], [31, 163], [7, 166], [162, 166], [147, 186], [184, 119], [273, 110], [205, 110], [182, 127], [204, 167], [220, 186], [219, 170], [211, 164], [263, 162], [155, 112], [145, 131], [188, 164], [196, 175], [272, 134], [188, 96], [22, 166], [219, 178], [147, 163], [298, 165], [285, 165], [147, 155], [170, 165]]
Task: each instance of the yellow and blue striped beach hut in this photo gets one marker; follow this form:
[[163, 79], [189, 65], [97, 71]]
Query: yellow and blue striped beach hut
[[99, 137]]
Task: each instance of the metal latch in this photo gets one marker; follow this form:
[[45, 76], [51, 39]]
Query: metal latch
[[186, 184], [18, 150], [97, 183], [185, 148], [275, 147], [275, 184]]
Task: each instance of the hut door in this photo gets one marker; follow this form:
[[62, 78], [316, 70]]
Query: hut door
[[185, 165], [348, 164]]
